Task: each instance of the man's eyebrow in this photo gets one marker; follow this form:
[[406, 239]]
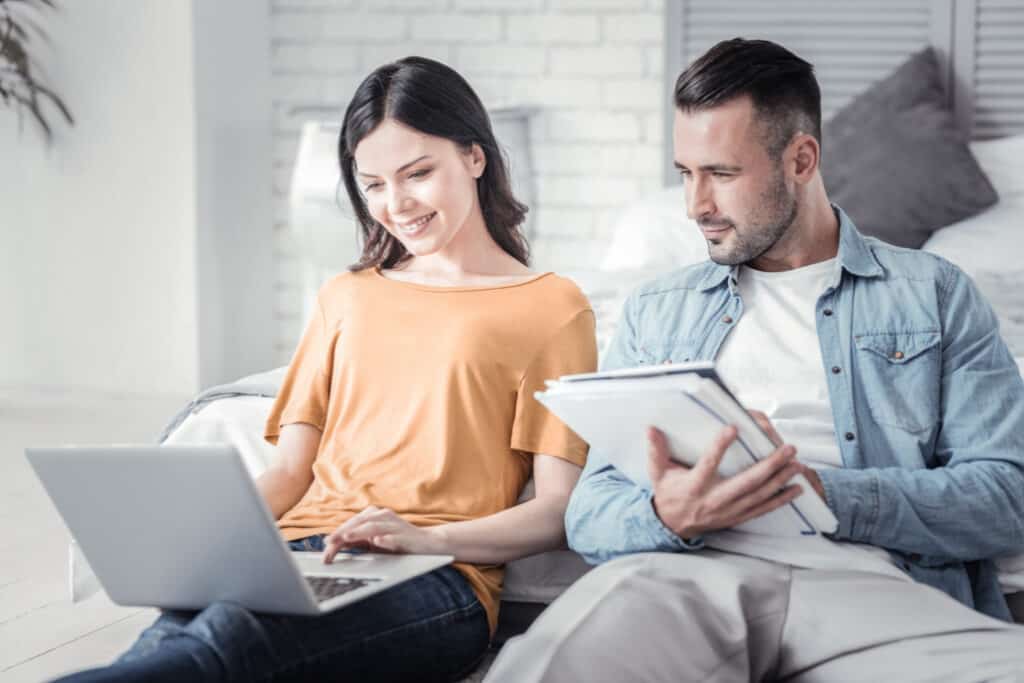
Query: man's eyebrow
[[400, 169], [711, 168]]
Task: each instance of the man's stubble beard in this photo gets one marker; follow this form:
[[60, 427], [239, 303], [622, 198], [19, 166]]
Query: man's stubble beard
[[760, 235]]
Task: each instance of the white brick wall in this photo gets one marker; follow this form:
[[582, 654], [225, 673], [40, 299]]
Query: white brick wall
[[591, 68]]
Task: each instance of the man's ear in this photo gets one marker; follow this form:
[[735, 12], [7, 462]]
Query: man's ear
[[805, 157], [477, 160]]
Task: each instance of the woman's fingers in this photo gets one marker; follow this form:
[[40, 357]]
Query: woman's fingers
[[367, 530], [389, 542], [354, 520], [335, 540]]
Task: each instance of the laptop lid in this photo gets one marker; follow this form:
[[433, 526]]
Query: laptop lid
[[173, 526]]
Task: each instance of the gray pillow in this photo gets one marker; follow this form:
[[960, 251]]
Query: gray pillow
[[897, 163]]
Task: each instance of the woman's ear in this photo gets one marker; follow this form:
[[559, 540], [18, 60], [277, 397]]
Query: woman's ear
[[477, 160]]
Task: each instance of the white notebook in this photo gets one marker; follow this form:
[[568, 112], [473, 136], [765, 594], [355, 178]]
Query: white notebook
[[689, 403]]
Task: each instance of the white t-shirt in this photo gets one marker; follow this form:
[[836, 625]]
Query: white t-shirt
[[772, 361]]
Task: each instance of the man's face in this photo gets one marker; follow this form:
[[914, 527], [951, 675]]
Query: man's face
[[735, 191]]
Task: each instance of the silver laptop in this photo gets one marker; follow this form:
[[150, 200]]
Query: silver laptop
[[180, 527]]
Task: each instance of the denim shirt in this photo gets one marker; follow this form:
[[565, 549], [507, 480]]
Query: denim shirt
[[928, 407]]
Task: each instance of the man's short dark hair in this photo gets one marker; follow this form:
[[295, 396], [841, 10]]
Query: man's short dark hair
[[782, 87]]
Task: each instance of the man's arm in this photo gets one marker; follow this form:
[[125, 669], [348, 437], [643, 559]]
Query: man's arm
[[609, 515], [973, 506]]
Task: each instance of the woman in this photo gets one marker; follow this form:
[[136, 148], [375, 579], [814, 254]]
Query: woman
[[406, 421]]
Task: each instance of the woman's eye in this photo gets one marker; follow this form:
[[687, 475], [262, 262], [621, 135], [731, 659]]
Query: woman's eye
[[422, 173], [371, 186]]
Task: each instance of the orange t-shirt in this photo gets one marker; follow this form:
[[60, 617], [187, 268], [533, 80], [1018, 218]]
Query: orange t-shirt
[[424, 397]]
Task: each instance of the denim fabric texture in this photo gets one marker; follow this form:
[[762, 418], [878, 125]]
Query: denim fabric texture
[[431, 628], [928, 409]]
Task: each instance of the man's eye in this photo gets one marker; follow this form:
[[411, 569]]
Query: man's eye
[[719, 174]]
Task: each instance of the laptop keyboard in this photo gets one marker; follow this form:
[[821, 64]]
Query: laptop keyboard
[[327, 587]]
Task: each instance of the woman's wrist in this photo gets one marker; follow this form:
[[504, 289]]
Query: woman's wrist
[[443, 544]]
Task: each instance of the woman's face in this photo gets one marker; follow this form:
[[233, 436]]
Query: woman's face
[[420, 187]]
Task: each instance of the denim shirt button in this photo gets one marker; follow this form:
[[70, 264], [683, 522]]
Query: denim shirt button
[[727, 319], [849, 436], [836, 370], [827, 311]]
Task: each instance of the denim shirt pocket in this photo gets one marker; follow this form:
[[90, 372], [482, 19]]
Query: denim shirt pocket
[[900, 375], [668, 351]]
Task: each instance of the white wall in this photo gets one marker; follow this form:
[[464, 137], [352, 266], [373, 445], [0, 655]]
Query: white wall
[[233, 189], [137, 251], [592, 68], [99, 288]]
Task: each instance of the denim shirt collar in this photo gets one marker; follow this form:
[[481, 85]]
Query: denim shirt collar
[[854, 257]]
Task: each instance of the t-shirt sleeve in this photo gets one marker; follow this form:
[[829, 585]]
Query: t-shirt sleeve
[[307, 383], [572, 349]]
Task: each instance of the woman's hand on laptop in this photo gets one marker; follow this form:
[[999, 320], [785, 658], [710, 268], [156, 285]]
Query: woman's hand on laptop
[[382, 529]]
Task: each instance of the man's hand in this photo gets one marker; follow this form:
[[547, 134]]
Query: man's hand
[[693, 501], [814, 480], [768, 428]]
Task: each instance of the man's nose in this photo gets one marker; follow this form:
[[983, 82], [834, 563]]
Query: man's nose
[[699, 201]]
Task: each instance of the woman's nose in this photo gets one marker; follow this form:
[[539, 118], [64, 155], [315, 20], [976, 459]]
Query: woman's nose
[[398, 201]]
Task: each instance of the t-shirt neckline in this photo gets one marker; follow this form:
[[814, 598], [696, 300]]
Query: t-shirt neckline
[[457, 288]]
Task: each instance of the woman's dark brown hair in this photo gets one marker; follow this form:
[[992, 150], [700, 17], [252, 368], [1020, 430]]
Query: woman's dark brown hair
[[432, 98]]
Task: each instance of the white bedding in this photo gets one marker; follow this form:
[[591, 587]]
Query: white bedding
[[989, 248]]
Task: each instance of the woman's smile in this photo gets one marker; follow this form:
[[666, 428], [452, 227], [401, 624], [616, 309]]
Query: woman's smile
[[416, 226]]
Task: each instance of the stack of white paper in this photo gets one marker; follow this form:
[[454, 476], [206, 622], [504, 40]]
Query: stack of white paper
[[690, 405]]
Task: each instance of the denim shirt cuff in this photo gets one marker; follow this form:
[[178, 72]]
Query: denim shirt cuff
[[665, 537], [852, 495]]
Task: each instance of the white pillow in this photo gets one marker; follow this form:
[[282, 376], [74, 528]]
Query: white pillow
[[607, 291], [654, 234], [1002, 160], [988, 248]]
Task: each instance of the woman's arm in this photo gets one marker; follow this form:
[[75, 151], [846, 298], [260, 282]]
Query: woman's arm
[[526, 529], [287, 480]]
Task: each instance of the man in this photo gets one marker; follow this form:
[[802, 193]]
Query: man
[[884, 369]]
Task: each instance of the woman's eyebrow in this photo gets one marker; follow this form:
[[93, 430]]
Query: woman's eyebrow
[[400, 169]]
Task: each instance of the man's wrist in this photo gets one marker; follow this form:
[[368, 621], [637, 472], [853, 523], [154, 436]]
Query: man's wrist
[[687, 535]]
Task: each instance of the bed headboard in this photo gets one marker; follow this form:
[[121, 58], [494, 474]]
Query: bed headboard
[[980, 44]]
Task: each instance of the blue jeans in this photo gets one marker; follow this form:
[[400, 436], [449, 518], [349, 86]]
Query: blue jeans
[[431, 628]]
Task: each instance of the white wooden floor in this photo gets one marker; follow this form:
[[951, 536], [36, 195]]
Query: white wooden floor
[[42, 634]]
